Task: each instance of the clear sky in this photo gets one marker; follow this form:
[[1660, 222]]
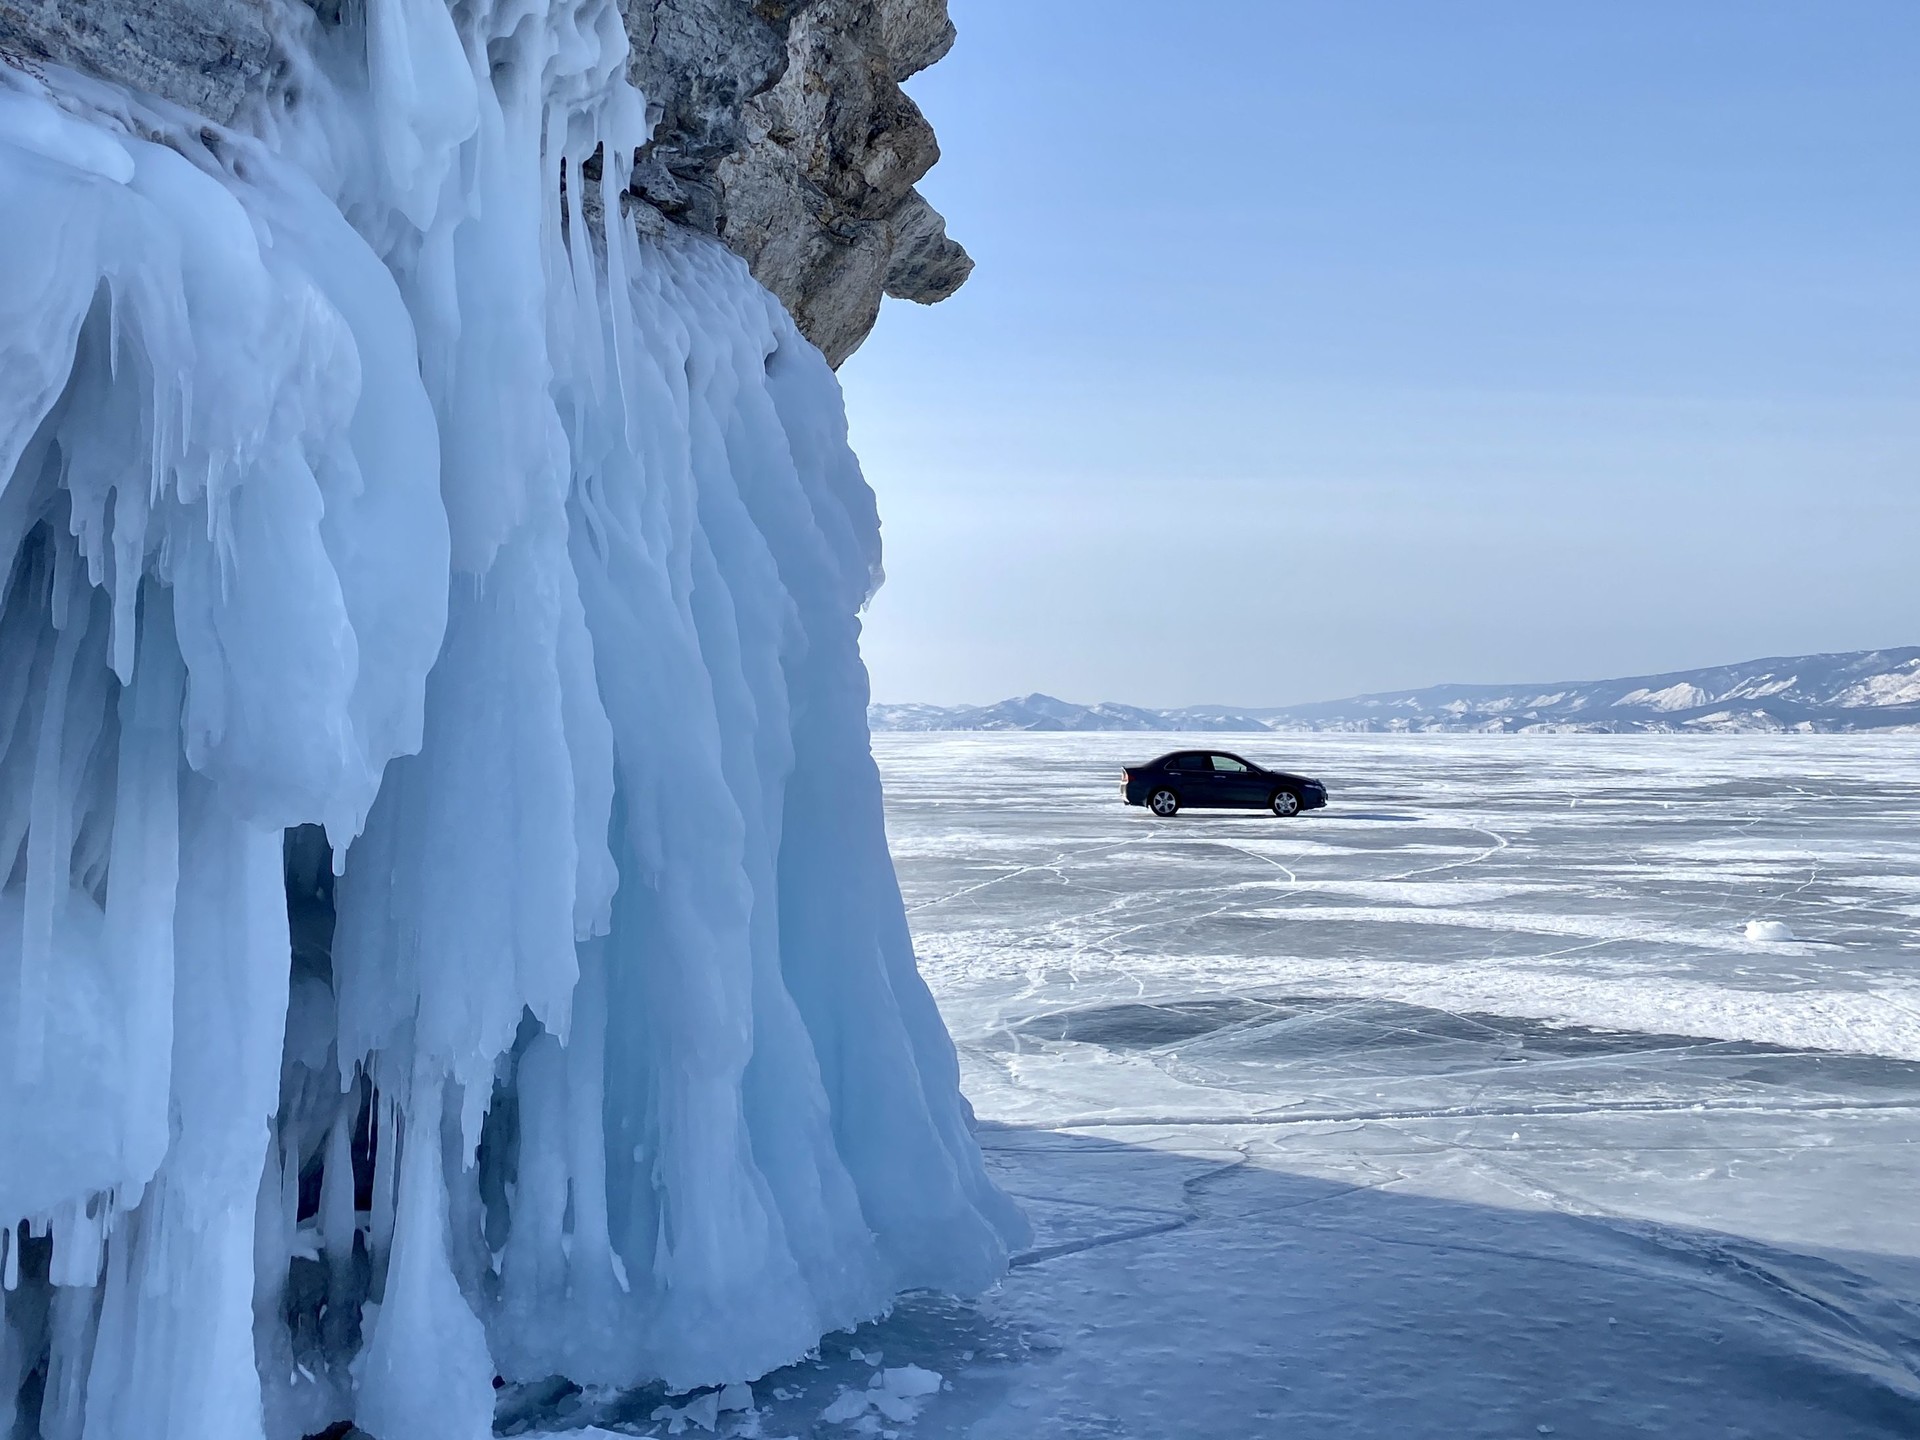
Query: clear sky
[[1322, 346]]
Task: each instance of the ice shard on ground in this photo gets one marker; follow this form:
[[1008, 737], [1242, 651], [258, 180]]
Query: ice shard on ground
[[448, 930]]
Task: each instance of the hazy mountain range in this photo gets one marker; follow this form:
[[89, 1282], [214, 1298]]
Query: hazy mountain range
[[1860, 690]]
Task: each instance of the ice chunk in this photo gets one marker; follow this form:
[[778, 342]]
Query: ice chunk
[[911, 1382], [895, 1393], [894, 1408], [847, 1405], [702, 1410], [1769, 931]]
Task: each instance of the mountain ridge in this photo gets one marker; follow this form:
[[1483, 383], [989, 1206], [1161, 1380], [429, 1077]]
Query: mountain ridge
[[1840, 692]]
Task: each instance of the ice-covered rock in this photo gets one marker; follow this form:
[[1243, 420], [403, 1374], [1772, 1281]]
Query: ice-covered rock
[[447, 929], [780, 128]]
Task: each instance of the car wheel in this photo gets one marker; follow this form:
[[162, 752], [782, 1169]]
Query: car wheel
[[1286, 804], [1164, 803]]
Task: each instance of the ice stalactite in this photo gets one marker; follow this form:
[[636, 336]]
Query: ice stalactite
[[448, 930]]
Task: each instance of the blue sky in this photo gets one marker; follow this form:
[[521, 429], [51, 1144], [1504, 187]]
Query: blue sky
[[1324, 347]]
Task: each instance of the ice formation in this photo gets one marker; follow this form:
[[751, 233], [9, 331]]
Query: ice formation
[[448, 929]]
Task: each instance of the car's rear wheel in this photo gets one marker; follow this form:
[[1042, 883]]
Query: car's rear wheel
[[1286, 804], [1164, 803]]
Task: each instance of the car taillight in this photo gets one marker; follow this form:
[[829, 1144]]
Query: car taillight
[[1126, 774]]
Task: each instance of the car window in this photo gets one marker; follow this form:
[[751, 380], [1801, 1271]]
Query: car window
[[1190, 762], [1227, 762]]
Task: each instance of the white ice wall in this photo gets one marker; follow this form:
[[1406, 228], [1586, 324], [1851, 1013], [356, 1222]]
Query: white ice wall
[[356, 476]]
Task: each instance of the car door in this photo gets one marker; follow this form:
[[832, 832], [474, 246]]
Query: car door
[[1194, 778], [1236, 782]]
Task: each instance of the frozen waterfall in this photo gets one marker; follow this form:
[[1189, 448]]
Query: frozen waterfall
[[448, 930]]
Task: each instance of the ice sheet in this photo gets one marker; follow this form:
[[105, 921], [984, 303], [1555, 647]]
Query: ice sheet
[[1465, 1107], [1590, 881]]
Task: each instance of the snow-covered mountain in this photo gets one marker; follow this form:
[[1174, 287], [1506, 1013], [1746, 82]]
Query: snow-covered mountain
[[1859, 690], [1028, 712]]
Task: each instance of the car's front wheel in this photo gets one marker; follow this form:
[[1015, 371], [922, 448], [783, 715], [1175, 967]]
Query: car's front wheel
[[1286, 804], [1164, 803]]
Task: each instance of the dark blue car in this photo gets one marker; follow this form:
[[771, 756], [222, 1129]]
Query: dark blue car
[[1215, 780]]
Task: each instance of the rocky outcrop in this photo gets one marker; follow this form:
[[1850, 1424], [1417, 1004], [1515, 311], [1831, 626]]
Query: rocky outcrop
[[699, 62], [783, 129], [208, 55], [780, 125], [820, 198]]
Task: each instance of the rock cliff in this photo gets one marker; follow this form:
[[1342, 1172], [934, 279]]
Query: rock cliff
[[780, 125]]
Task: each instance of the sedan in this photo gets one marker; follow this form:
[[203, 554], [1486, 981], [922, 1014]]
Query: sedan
[[1215, 780]]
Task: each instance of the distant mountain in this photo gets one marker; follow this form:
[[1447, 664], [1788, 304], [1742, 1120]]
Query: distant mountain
[[1860, 690]]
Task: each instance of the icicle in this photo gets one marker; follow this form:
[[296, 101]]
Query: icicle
[[80, 1236], [387, 1141], [48, 852], [423, 98], [144, 871], [337, 1227], [63, 1406], [427, 1374], [591, 1264], [13, 1360], [533, 1268]]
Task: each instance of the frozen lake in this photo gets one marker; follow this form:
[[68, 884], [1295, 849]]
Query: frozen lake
[[1094, 961], [1463, 1108]]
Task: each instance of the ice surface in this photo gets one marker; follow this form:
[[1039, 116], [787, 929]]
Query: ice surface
[[1462, 1108], [448, 927], [1601, 883]]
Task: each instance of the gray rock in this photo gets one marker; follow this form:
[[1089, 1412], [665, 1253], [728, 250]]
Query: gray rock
[[207, 55], [784, 131], [698, 61], [926, 265], [780, 124]]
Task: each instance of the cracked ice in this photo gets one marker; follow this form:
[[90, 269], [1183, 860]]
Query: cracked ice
[[1536, 1086]]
